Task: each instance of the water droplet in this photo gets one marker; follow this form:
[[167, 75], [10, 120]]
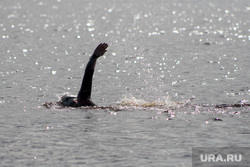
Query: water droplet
[[175, 31], [53, 72], [91, 29]]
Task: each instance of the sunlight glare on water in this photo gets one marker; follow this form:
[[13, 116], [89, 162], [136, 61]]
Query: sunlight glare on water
[[161, 87]]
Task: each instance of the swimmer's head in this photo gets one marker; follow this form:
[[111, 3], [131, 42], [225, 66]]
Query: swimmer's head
[[68, 101]]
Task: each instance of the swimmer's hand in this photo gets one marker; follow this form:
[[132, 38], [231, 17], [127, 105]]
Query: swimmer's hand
[[100, 50]]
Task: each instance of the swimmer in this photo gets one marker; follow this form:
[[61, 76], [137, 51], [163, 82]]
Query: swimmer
[[84, 95]]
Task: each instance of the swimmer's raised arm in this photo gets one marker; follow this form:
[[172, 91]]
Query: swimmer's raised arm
[[84, 95]]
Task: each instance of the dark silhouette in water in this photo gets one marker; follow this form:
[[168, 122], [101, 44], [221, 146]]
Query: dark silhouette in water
[[84, 95]]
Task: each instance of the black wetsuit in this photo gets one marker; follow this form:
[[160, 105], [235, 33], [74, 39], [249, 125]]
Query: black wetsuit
[[84, 95]]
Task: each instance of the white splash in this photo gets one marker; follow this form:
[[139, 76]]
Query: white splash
[[163, 102]]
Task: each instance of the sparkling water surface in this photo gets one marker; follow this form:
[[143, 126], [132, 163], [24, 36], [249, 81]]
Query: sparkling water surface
[[168, 64]]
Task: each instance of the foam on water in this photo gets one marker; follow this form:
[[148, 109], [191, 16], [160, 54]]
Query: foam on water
[[163, 102]]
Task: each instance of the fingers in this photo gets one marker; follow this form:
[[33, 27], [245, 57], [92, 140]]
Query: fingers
[[100, 49], [105, 46], [102, 46]]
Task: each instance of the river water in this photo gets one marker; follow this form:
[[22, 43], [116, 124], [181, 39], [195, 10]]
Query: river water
[[168, 64]]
